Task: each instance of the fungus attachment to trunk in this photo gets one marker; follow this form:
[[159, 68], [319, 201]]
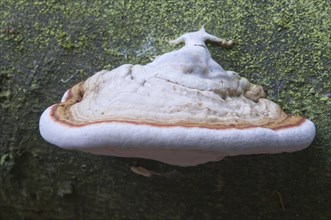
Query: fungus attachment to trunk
[[183, 109]]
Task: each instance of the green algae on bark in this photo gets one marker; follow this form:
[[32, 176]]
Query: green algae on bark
[[47, 46]]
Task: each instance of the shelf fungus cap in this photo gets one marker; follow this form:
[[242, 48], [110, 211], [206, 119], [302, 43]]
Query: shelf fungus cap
[[182, 109]]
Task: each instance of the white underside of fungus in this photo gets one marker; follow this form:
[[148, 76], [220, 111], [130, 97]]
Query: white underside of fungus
[[181, 109]]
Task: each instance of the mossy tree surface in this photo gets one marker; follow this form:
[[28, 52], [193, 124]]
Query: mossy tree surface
[[48, 46]]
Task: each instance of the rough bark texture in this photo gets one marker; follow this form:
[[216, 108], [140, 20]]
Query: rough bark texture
[[48, 46]]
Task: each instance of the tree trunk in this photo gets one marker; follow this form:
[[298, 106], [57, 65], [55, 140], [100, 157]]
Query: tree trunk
[[48, 46]]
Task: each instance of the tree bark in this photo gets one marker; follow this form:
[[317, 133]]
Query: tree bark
[[48, 46]]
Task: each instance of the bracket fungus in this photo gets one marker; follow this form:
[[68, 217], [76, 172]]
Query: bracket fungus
[[182, 109]]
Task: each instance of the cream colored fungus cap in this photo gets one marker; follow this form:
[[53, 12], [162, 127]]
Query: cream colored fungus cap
[[182, 109]]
